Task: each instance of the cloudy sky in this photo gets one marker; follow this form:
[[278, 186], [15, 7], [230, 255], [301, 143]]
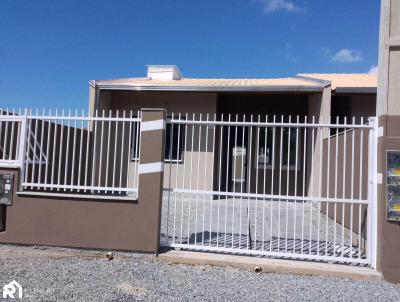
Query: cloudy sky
[[49, 50]]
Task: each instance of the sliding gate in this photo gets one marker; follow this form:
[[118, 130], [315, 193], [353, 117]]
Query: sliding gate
[[287, 187]]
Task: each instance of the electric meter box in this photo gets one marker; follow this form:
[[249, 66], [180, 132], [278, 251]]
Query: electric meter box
[[6, 188], [393, 185]]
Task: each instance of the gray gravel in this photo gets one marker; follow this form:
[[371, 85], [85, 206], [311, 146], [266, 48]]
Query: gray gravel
[[135, 277]]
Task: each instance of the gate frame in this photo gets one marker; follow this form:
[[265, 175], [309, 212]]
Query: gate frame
[[372, 180]]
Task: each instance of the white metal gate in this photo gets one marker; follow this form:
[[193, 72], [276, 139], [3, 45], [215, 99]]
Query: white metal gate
[[285, 187]]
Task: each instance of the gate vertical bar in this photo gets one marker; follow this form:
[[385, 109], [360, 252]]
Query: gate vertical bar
[[372, 217]]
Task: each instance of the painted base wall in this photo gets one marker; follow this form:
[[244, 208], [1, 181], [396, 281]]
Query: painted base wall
[[82, 223]]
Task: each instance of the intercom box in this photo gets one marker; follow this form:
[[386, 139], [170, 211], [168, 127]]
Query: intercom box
[[6, 188]]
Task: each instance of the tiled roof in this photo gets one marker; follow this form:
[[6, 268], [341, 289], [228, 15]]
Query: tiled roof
[[346, 80], [291, 83], [302, 82]]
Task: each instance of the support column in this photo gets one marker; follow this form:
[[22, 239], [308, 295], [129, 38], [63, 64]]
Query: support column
[[319, 107], [388, 112], [151, 167]]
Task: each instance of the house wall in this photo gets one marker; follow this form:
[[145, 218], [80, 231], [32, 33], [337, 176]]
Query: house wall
[[173, 102], [325, 182], [345, 176], [363, 105], [353, 105], [319, 108], [258, 104]]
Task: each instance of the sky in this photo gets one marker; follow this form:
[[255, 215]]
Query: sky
[[49, 50]]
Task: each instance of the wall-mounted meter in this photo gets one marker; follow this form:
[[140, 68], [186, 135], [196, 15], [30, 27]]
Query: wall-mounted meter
[[6, 188], [239, 155], [393, 185], [263, 159]]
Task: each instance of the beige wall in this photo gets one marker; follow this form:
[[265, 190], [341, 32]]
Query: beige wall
[[345, 176], [394, 82], [395, 20], [173, 102], [200, 158], [320, 107]]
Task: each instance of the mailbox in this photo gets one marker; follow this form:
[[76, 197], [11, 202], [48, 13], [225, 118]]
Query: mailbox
[[6, 188], [393, 185]]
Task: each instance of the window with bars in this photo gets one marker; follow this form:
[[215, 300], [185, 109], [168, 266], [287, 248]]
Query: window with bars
[[174, 142], [269, 145]]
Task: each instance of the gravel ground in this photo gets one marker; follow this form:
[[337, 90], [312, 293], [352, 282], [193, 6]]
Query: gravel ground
[[58, 275]]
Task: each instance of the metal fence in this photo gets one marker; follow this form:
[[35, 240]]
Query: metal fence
[[279, 186], [10, 130], [74, 153]]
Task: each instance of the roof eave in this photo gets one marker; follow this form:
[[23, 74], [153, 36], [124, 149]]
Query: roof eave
[[324, 83], [367, 90], [269, 88]]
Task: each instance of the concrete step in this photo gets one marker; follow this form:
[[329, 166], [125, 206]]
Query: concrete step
[[269, 265]]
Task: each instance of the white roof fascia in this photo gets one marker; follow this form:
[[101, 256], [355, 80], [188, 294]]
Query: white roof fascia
[[267, 88]]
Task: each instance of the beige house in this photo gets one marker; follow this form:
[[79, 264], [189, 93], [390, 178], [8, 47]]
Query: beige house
[[326, 96]]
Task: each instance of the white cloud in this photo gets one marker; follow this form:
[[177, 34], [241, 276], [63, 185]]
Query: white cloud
[[373, 70], [271, 6], [344, 55], [347, 56]]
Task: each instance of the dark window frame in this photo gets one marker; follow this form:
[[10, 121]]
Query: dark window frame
[[171, 158]]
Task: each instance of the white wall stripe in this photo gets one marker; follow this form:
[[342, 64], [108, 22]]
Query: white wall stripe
[[152, 125], [379, 178], [380, 132], [151, 168]]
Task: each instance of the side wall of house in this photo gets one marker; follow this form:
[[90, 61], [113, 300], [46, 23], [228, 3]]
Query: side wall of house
[[319, 108], [345, 176]]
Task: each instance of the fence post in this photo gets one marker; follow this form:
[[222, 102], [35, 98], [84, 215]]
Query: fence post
[[151, 167], [22, 150], [372, 223]]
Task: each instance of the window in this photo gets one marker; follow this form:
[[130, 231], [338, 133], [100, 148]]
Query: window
[[135, 136], [175, 136], [291, 150], [267, 141], [264, 149], [173, 132]]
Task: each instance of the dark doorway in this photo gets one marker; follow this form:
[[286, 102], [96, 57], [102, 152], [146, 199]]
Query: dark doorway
[[235, 168]]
